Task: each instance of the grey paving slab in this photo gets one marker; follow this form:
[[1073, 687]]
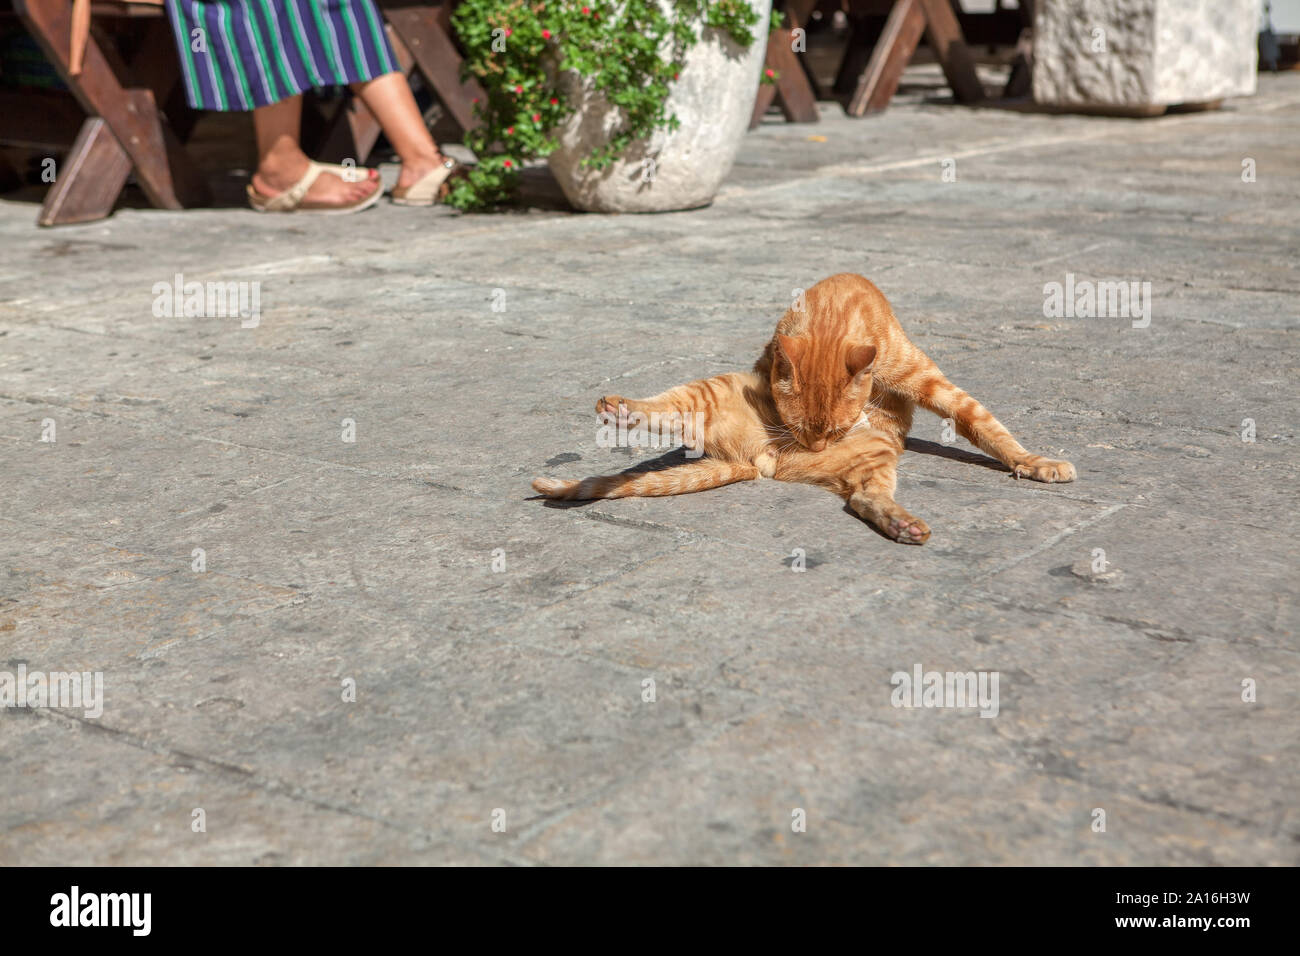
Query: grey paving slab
[[500, 647]]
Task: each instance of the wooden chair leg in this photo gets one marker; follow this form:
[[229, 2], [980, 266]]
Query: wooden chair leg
[[793, 92], [893, 51], [422, 31], [762, 103], [90, 180], [944, 33], [131, 115]]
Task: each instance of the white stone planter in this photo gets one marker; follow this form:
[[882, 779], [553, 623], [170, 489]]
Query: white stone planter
[[712, 98], [1141, 56]]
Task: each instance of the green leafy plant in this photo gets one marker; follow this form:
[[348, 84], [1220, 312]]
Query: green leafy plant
[[631, 50]]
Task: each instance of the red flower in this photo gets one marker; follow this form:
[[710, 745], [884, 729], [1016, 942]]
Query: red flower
[[554, 101], [507, 164], [769, 72], [537, 117], [675, 75], [519, 89], [509, 31], [586, 10], [510, 131], [546, 34]]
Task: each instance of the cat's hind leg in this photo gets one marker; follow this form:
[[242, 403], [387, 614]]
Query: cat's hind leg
[[930, 389], [861, 468], [678, 480]]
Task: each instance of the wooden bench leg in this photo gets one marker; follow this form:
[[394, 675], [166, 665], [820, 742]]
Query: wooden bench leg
[[92, 176], [130, 115], [879, 81], [944, 33], [792, 91], [907, 20], [423, 32]]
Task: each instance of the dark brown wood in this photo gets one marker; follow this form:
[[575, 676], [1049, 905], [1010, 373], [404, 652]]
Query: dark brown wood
[[944, 34], [762, 103], [131, 115], [879, 81], [423, 29], [89, 180], [39, 119], [10, 178], [794, 91]]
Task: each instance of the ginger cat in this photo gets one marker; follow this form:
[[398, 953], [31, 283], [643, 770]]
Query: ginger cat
[[828, 403]]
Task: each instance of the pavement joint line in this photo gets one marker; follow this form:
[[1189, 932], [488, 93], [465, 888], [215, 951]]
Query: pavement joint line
[[259, 781], [996, 146], [1184, 636], [277, 484], [1051, 542], [730, 304], [1162, 800], [1084, 251]]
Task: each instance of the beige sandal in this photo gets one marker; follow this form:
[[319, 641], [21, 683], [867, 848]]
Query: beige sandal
[[291, 200], [430, 187]]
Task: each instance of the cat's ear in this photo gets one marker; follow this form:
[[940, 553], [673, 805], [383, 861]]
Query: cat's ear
[[791, 349], [859, 360]]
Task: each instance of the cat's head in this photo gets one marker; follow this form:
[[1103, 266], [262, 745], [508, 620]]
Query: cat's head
[[820, 391]]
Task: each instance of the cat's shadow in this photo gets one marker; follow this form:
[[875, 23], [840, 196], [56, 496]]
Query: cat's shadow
[[672, 459], [923, 447], [669, 459]]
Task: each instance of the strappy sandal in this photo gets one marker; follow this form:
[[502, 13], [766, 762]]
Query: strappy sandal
[[291, 200], [430, 187], [359, 174]]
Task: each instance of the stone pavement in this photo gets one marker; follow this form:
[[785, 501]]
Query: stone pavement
[[500, 648]]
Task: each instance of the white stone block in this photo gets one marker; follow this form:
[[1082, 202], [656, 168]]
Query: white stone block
[[1143, 55]]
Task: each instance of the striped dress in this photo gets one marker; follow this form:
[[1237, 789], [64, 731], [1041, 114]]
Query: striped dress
[[241, 54]]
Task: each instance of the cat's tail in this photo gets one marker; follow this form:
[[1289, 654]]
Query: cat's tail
[[680, 480]]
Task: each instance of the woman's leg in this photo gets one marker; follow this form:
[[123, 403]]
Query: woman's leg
[[390, 99], [281, 161]]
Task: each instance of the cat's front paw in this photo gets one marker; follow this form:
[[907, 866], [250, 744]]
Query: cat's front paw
[[1038, 468]]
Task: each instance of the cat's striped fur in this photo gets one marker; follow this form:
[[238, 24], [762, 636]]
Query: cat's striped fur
[[828, 403]]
